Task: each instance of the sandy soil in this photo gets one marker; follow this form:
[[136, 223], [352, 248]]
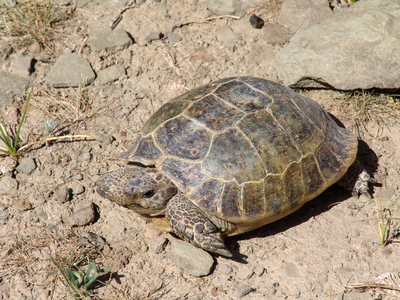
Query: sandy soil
[[318, 252]]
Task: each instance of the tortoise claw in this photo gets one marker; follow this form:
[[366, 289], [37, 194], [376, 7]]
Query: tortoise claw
[[223, 252], [361, 185]]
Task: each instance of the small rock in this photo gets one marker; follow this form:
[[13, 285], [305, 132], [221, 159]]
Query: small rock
[[225, 269], [63, 194], [90, 239], [110, 74], [230, 45], [290, 270], [153, 36], [4, 214], [244, 273], [105, 138], [241, 291], [276, 34], [256, 22], [11, 82], [321, 244], [21, 64], [226, 33], [78, 189], [7, 165], [157, 244], [83, 214], [36, 201], [8, 186], [21, 205], [192, 260], [150, 232], [174, 39], [116, 39], [70, 70], [26, 166]]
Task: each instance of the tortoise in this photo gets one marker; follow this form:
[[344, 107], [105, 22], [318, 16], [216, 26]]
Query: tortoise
[[231, 156]]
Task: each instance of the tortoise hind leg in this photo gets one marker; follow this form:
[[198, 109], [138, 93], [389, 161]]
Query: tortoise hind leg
[[191, 225], [357, 179]]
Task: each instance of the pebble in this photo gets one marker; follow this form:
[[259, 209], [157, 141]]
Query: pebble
[[225, 269], [242, 290], [21, 205], [90, 239], [256, 22], [110, 40], [63, 194], [78, 189], [83, 214], [110, 74], [276, 34], [321, 244], [226, 33], [230, 45], [3, 214], [190, 259], [244, 273], [174, 39], [70, 70], [153, 36], [8, 186], [8, 164], [36, 201], [105, 138], [290, 270], [21, 64], [157, 244]]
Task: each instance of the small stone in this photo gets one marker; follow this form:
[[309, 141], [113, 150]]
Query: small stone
[[242, 290], [70, 70], [190, 259], [8, 186], [290, 270], [225, 269], [153, 36], [21, 205], [78, 176], [63, 194], [83, 214], [36, 201], [110, 40], [321, 244], [256, 22], [7, 165], [26, 166], [110, 74], [276, 34], [78, 189], [226, 33], [105, 138], [90, 239], [174, 39], [21, 64], [4, 215], [230, 45], [157, 244], [244, 273]]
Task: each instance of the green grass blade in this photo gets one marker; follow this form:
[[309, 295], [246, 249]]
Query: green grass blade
[[22, 121]]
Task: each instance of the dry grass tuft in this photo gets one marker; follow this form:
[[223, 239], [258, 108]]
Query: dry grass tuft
[[365, 108], [30, 21]]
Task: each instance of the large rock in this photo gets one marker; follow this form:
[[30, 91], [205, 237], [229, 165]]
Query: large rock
[[354, 48], [296, 14]]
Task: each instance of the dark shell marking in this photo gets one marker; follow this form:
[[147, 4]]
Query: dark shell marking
[[246, 150]]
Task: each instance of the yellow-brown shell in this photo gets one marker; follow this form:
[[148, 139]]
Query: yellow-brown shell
[[246, 150]]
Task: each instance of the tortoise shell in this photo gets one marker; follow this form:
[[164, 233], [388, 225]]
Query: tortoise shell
[[246, 150]]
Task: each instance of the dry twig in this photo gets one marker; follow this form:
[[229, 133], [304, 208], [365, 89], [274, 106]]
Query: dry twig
[[178, 25]]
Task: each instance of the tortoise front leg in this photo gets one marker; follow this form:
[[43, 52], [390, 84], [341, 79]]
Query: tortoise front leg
[[192, 225]]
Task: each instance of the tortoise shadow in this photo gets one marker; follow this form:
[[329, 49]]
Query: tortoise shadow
[[323, 203]]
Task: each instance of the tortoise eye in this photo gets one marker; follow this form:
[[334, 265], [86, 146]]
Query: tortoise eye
[[149, 194]]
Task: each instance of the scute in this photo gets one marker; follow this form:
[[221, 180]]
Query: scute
[[232, 157]]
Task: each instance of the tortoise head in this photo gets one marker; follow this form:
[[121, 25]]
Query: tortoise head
[[144, 190]]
